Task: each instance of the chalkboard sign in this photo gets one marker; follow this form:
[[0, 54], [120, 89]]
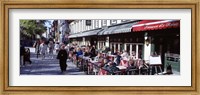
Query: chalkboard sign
[[155, 60]]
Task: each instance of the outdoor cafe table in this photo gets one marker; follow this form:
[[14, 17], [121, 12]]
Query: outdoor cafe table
[[123, 65], [84, 61], [112, 56], [95, 66]]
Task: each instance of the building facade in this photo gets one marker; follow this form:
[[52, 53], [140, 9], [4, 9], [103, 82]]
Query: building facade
[[143, 38], [60, 31], [83, 32]]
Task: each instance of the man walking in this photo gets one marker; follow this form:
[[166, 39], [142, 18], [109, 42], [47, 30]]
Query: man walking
[[62, 56]]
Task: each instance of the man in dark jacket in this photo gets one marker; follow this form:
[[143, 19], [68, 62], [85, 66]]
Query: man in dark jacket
[[22, 53], [62, 56], [93, 52]]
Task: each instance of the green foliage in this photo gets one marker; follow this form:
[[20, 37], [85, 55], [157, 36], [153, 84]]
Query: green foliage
[[31, 28]]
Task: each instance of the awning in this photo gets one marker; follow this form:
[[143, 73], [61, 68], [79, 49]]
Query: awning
[[146, 25], [91, 32], [86, 33], [73, 35], [119, 28]]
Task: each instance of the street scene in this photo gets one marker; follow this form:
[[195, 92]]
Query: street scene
[[99, 47]]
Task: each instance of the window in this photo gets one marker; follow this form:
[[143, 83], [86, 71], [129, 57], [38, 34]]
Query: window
[[140, 53], [116, 46], [96, 23], [88, 22], [104, 22], [121, 47], [128, 48], [125, 20], [113, 22], [134, 49]]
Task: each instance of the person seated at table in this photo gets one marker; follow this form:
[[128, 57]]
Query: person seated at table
[[100, 50], [86, 53], [140, 63], [102, 72], [113, 67], [74, 56], [106, 50], [115, 52], [71, 48], [118, 58], [110, 66], [124, 62], [78, 53], [132, 65], [93, 51], [102, 66], [132, 55], [124, 54], [96, 58]]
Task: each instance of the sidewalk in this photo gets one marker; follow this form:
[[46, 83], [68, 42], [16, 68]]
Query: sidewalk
[[47, 66]]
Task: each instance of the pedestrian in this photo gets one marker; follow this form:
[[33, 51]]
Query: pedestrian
[[93, 52], [22, 52], [51, 48], [62, 56], [56, 47], [27, 56], [43, 49], [37, 47]]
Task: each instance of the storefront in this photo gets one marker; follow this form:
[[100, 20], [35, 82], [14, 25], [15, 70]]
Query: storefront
[[120, 37], [101, 42], [161, 37]]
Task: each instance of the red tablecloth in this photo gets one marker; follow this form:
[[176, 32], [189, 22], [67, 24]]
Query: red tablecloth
[[124, 63]]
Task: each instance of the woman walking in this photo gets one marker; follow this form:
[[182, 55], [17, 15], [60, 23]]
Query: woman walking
[[43, 49], [62, 56], [51, 48]]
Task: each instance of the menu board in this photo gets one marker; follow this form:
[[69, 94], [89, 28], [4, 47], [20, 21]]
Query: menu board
[[155, 60]]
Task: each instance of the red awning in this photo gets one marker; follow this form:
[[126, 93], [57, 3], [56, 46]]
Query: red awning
[[146, 25]]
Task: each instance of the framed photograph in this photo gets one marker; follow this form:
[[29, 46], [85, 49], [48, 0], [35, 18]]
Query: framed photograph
[[99, 47]]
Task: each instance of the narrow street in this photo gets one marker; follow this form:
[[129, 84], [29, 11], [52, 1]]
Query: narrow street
[[47, 66]]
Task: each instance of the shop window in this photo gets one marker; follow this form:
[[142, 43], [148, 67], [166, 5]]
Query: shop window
[[119, 40], [140, 51], [116, 46], [128, 48], [131, 39], [134, 49], [121, 47], [112, 50]]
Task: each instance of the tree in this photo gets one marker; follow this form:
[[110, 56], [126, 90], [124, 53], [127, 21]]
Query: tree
[[31, 28]]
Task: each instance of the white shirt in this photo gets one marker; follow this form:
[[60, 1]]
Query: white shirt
[[43, 48]]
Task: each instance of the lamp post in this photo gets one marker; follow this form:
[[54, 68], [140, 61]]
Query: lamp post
[[147, 39]]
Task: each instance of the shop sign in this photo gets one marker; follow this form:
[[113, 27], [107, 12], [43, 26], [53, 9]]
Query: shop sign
[[157, 26], [161, 26]]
